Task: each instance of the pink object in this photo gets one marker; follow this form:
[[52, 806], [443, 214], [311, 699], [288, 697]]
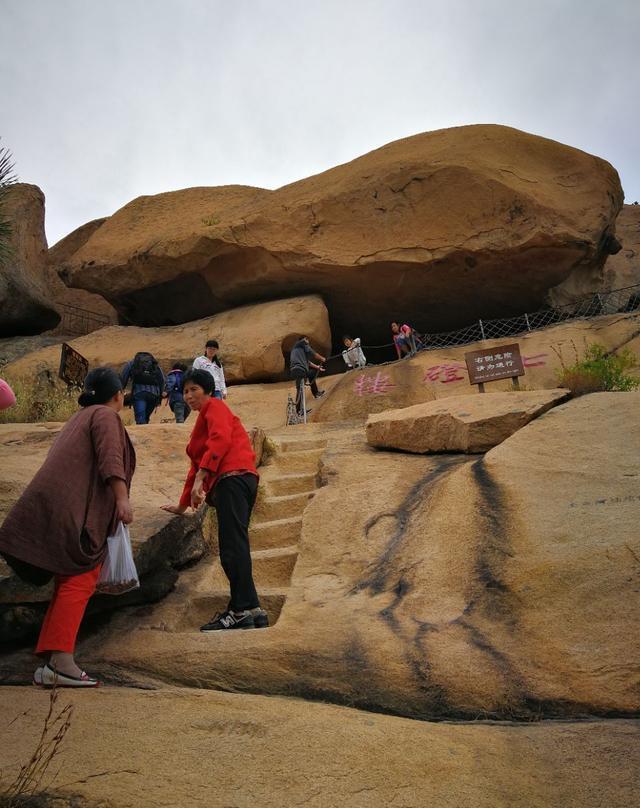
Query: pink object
[[7, 398]]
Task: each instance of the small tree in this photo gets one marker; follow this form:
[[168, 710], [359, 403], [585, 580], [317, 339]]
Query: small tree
[[600, 371], [7, 178]]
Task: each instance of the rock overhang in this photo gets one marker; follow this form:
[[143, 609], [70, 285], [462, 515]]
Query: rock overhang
[[440, 229]]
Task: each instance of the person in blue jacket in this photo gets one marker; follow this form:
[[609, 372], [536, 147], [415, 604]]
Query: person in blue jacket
[[173, 388]]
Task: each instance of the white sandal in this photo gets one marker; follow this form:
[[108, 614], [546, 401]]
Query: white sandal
[[47, 676]]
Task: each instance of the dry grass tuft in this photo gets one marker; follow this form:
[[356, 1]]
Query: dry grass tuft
[[42, 399], [30, 780]]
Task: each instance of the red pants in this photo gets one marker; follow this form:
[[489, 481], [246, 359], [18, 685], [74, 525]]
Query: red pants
[[66, 610]]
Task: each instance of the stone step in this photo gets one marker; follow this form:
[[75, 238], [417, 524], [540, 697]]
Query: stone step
[[301, 444], [275, 533], [272, 568], [287, 484], [307, 460], [201, 608], [270, 508]]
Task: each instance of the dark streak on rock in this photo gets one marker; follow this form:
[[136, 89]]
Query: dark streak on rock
[[497, 601], [378, 581]]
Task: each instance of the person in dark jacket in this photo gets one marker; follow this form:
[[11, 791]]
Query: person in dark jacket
[[173, 392], [223, 471], [147, 384], [61, 531], [302, 367]]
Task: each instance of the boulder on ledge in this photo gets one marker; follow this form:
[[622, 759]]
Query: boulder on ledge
[[253, 341], [471, 423]]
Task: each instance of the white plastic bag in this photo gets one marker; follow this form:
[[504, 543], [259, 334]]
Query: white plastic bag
[[118, 573]]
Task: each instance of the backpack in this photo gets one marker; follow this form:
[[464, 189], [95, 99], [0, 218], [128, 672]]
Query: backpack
[[145, 369]]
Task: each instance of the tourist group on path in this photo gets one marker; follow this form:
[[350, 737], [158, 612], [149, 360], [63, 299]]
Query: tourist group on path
[[60, 532]]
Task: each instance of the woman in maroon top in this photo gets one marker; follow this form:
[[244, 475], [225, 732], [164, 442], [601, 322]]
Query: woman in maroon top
[[223, 471], [59, 526]]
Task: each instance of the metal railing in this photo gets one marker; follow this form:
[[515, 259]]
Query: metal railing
[[595, 305], [77, 322]]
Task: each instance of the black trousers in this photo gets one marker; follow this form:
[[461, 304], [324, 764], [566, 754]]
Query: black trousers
[[233, 499], [299, 374]]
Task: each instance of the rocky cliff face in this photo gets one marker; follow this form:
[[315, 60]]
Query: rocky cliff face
[[30, 289], [438, 229], [623, 269], [58, 255], [496, 586], [25, 305]]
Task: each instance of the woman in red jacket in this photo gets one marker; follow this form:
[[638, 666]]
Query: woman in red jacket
[[223, 471]]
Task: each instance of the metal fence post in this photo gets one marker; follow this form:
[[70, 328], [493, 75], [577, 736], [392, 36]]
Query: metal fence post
[[481, 329], [304, 400], [526, 319]]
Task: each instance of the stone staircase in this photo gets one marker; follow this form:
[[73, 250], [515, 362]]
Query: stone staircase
[[288, 480]]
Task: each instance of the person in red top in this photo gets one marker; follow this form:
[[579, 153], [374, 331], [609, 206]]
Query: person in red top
[[402, 339], [223, 472]]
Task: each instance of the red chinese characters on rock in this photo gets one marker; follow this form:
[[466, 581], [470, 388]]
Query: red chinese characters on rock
[[445, 373], [455, 372], [537, 361], [372, 385]]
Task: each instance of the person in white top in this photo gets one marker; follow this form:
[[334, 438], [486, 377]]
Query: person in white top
[[353, 355], [210, 362]]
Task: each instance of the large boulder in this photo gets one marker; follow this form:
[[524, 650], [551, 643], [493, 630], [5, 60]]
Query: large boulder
[[33, 298], [468, 423], [438, 229], [623, 269], [63, 249], [25, 306], [442, 372], [94, 308], [253, 341], [500, 586]]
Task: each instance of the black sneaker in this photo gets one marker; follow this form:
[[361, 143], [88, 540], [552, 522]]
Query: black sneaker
[[320, 393], [229, 620], [260, 618]]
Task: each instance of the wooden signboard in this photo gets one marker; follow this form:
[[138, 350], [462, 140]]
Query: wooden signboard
[[73, 366], [492, 364]]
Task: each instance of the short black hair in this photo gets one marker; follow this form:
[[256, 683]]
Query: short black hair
[[179, 366], [211, 343], [202, 378], [346, 336]]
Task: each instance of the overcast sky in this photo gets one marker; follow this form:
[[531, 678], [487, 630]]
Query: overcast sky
[[105, 100]]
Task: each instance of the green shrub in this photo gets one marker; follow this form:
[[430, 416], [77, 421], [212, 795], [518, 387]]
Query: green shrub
[[600, 371]]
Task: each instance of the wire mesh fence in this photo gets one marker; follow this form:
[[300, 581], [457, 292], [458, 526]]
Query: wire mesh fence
[[598, 304], [595, 305]]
